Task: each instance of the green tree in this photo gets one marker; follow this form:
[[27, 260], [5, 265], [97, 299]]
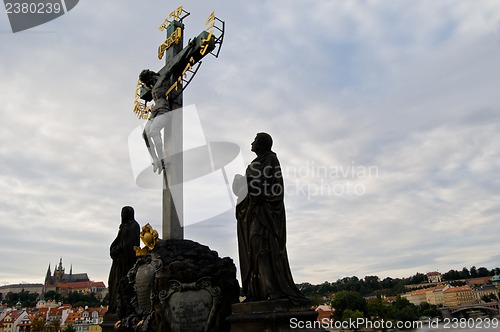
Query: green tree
[[77, 299], [53, 295], [379, 309], [372, 283], [451, 275], [407, 314], [53, 325], [38, 325], [105, 300], [401, 303], [418, 278], [326, 288], [387, 283], [473, 272], [344, 300], [352, 316], [27, 299], [69, 328], [483, 272], [316, 299], [465, 273], [429, 310], [405, 310]]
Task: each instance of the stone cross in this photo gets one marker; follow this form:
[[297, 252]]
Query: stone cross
[[185, 61], [172, 213]]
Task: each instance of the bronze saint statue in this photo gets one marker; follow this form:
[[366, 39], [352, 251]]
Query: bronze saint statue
[[260, 212], [123, 254]]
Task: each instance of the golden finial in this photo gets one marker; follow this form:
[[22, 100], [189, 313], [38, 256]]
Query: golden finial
[[150, 238]]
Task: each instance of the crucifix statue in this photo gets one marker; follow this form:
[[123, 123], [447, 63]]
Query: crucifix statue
[[165, 89], [160, 83]]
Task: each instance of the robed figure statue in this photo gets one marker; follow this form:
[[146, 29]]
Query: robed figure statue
[[260, 213], [123, 254]]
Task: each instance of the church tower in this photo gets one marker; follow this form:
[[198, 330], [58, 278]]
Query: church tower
[[59, 273]]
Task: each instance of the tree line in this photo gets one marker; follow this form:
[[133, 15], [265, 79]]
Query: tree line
[[350, 305], [374, 286]]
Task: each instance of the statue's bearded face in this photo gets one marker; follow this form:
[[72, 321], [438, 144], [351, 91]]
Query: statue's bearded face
[[148, 77], [262, 143]]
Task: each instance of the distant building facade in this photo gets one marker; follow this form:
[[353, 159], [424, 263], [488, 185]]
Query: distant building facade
[[85, 287], [458, 296], [18, 288], [449, 296], [433, 277]]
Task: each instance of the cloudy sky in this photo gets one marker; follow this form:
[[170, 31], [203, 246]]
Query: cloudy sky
[[385, 117]]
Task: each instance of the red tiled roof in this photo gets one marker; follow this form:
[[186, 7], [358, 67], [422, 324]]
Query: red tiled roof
[[81, 284], [55, 311], [14, 314], [423, 291], [458, 289], [43, 311], [72, 316]]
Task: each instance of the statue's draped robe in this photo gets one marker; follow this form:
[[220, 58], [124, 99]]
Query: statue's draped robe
[[123, 255], [265, 270]]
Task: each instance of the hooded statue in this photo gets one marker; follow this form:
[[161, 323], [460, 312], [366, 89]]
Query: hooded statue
[[260, 213], [123, 254]]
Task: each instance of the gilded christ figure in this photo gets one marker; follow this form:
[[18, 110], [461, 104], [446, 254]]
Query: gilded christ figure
[[159, 84]]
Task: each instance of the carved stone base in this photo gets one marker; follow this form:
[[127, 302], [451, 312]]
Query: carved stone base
[[109, 321], [272, 316], [181, 286]]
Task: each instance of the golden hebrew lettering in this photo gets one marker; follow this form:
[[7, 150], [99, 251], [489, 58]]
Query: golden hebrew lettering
[[204, 49], [188, 67], [210, 18], [174, 86], [204, 41], [163, 25], [175, 37], [176, 13]]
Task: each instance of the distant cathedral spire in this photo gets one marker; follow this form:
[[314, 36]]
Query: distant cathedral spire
[[48, 275]]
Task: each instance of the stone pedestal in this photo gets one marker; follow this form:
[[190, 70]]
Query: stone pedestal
[[272, 316], [181, 286], [108, 322]]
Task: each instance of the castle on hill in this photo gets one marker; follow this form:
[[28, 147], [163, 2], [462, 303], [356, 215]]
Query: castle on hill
[[64, 283], [60, 277]]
